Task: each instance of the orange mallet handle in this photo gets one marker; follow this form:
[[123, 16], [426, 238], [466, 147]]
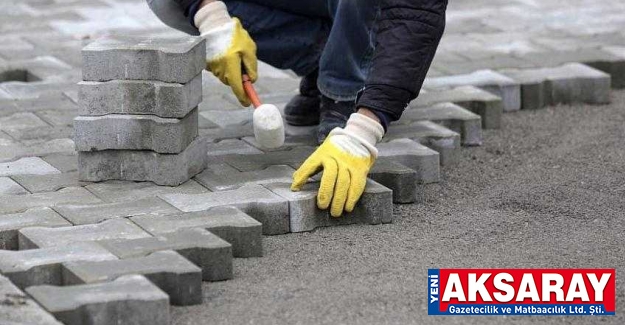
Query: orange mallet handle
[[250, 91]]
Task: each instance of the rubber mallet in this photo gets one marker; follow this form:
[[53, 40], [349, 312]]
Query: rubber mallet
[[267, 120]]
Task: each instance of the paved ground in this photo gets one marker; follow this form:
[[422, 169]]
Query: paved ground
[[543, 191]]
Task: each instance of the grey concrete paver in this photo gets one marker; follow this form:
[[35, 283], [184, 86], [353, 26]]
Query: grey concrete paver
[[135, 132], [16, 151], [229, 223], [43, 237], [488, 106], [43, 266], [130, 299], [85, 214], [200, 246], [47, 199], [425, 161], [30, 165], [17, 308], [167, 100], [10, 224], [10, 187], [48, 183], [245, 163], [125, 191], [31, 135], [231, 146], [399, 178], [455, 117], [489, 80], [435, 136], [64, 162], [168, 270], [135, 165], [374, 207], [20, 121], [227, 179], [268, 208], [231, 117], [142, 58], [569, 83]]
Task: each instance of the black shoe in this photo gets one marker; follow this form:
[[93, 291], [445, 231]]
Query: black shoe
[[333, 115], [303, 109]]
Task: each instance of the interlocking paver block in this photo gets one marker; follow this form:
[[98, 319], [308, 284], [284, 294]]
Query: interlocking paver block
[[132, 165], [69, 195], [453, 116], [496, 83], [10, 187], [143, 58], [488, 106], [414, 155], [29, 165], [10, 153], [130, 299], [233, 132], [231, 146], [289, 142], [17, 308], [65, 162], [303, 211], [222, 180], [397, 177], [444, 141], [48, 183], [170, 271], [135, 132], [43, 266], [200, 246], [245, 163], [168, 100], [41, 133], [374, 207], [126, 191], [41, 237], [569, 83], [35, 217], [261, 204], [95, 213], [227, 222], [19, 121], [231, 117], [36, 69], [607, 60], [36, 89]]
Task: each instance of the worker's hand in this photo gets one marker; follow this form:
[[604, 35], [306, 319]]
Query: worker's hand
[[345, 157], [228, 47]]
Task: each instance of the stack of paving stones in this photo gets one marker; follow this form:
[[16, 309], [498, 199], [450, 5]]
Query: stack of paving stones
[[140, 118]]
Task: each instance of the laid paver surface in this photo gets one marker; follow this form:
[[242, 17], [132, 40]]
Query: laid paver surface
[[539, 194], [544, 189]]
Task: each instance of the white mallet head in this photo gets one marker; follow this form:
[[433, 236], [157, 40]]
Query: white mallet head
[[268, 126]]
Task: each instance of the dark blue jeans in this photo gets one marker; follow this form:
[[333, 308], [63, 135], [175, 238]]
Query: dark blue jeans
[[336, 36]]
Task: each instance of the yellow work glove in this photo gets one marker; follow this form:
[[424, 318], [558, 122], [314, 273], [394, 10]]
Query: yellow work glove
[[345, 157], [228, 47]]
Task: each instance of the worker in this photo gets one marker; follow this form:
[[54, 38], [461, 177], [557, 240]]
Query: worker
[[361, 63]]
